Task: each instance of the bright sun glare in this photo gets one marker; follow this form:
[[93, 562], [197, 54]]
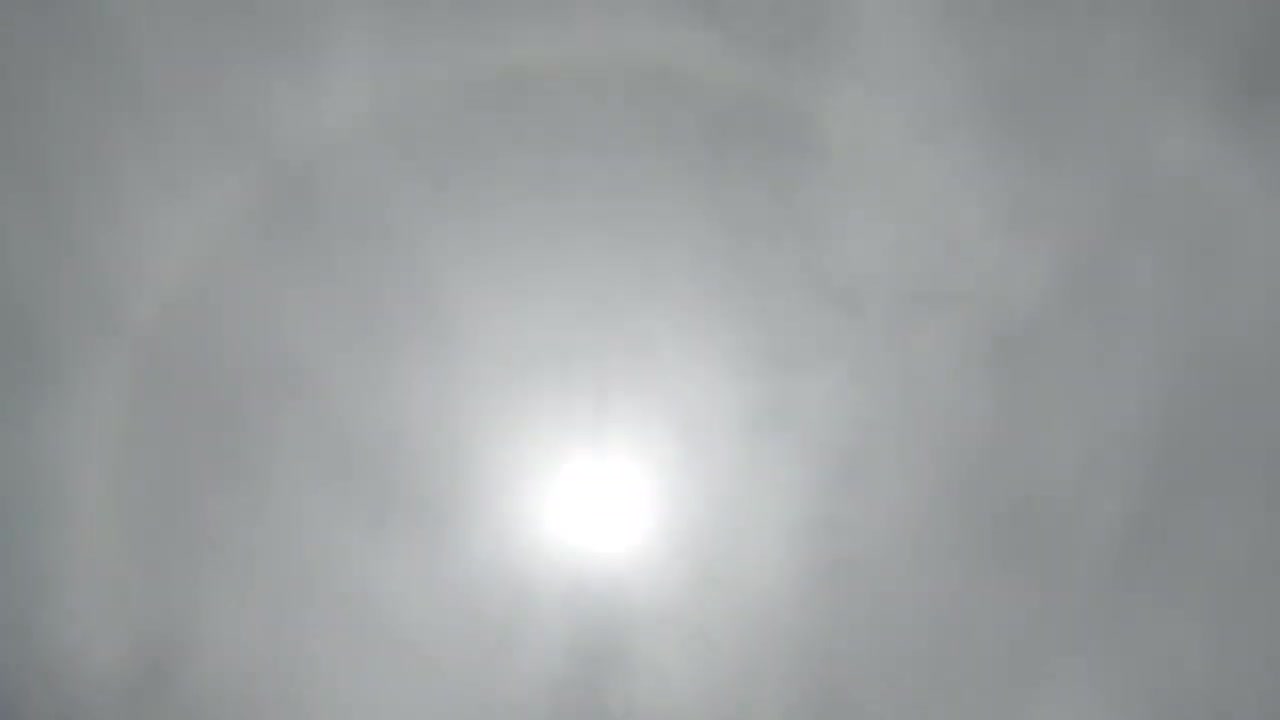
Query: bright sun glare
[[599, 504]]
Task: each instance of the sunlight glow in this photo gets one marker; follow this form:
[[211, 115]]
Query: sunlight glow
[[600, 504]]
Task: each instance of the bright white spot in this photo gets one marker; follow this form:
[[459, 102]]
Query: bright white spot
[[599, 504]]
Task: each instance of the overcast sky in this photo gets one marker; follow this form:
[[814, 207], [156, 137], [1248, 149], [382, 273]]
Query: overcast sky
[[951, 326]]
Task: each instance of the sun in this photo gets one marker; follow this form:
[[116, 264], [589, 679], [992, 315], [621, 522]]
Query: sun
[[600, 504]]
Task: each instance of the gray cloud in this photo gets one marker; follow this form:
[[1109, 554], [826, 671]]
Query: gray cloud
[[951, 325]]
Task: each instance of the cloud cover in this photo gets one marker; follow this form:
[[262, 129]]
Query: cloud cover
[[950, 322]]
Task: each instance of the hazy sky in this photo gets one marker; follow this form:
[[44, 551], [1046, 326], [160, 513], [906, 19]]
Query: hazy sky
[[951, 326]]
